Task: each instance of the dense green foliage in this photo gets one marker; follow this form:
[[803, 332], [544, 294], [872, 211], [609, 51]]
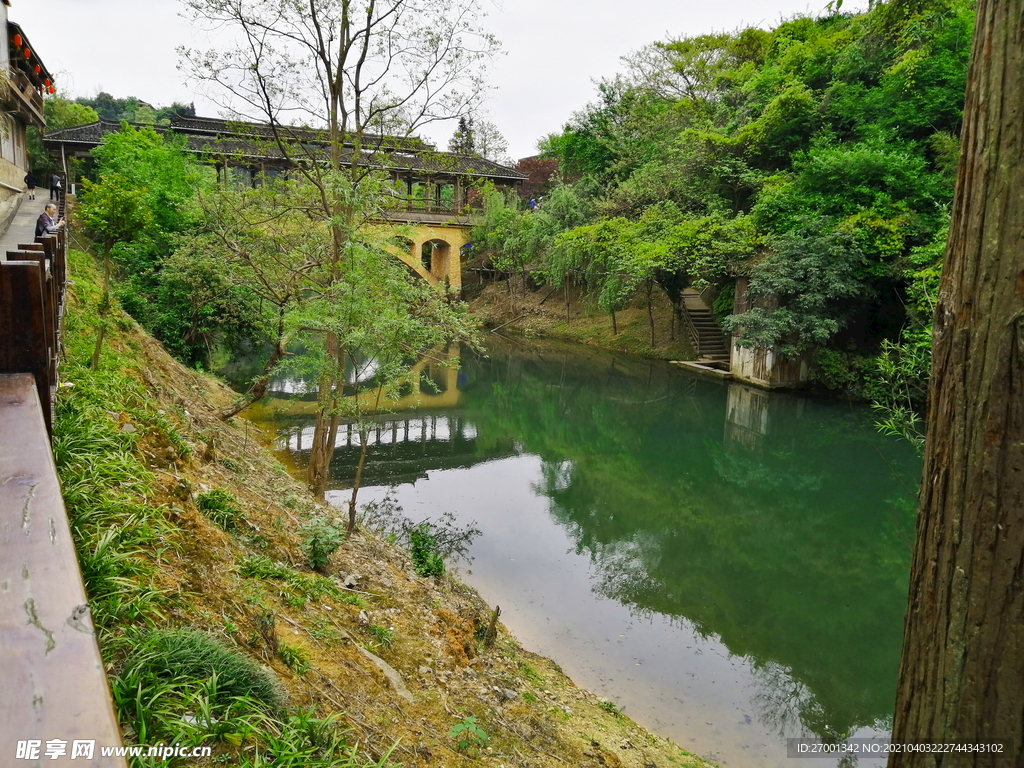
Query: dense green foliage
[[134, 110], [154, 172], [59, 113], [816, 158]]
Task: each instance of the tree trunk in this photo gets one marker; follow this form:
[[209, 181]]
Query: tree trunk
[[364, 439], [104, 309], [615, 325], [325, 427], [261, 382], [962, 670], [650, 311]]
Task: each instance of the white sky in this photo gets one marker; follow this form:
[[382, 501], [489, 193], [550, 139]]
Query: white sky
[[555, 50]]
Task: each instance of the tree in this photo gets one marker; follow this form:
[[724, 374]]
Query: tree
[[490, 144], [364, 75], [114, 212], [463, 141], [803, 291], [261, 242], [188, 321], [960, 674], [63, 113], [481, 138]]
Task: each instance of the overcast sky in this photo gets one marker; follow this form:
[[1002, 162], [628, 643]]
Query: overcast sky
[[554, 50]]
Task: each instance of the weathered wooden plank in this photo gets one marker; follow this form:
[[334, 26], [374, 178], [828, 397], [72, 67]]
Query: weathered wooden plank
[[56, 251], [24, 326], [49, 297], [51, 673], [55, 247]]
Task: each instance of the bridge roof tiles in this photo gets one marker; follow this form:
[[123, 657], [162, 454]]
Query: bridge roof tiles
[[253, 141]]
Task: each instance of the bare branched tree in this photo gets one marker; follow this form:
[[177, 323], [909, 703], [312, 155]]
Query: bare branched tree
[[340, 85]]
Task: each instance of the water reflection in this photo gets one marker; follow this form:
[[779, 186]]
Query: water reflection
[[754, 542]]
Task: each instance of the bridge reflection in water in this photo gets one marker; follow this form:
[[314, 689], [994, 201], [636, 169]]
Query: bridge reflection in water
[[401, 450]]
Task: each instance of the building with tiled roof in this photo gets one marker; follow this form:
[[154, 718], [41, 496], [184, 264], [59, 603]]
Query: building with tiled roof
[[22, 107]]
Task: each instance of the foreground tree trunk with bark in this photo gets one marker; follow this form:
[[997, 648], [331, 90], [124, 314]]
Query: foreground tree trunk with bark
[[962, 670]]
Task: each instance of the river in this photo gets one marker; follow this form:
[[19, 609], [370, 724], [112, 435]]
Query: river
[[727, 565]]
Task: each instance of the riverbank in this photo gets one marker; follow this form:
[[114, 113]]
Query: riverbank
[[185, 522], [560, 314]]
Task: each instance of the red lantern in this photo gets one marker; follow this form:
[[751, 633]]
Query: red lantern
[[28, 54], [48, 83], [17, 41], [38, 69], [51, 90]]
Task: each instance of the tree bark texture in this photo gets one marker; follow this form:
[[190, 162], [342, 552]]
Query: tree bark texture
[[325, 429], [962, 669]]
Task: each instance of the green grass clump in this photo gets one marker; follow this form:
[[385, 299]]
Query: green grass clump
[[323, 630], [297, 588], [262, 567], [355, 600], [190, 654], [296, 658], [610, 707], [530, 673], [384, 636], [220, 507]]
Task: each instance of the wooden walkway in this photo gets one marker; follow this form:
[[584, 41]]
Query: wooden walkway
[[23, 225], [52, 676]]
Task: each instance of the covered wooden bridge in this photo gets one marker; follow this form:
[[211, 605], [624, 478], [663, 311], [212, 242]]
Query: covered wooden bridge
[[433, 199]]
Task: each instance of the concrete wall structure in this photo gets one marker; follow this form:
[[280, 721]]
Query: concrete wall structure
[[763, 366]]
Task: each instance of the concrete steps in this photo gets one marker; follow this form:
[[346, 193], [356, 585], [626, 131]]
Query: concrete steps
[[713, 344]]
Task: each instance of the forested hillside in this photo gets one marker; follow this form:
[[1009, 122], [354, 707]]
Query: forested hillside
[[817, 158]]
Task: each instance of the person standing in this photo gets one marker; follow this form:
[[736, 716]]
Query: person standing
[[30, 185], [47, 224], [55, 187]]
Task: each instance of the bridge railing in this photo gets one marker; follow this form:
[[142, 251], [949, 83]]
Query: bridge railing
[[51, 673], [421, 205]]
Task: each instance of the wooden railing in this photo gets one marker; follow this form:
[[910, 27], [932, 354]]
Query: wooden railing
[[421, 205], [27, 93], [32, 281], [51, 673], [691, 329]]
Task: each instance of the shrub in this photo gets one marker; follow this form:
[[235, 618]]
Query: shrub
[[296, 658], [322, 540], [423, 547]]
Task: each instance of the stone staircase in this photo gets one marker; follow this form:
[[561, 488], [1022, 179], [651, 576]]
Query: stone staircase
[[712, 346]]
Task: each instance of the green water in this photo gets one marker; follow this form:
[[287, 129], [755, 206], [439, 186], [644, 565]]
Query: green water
[[728, 565]]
